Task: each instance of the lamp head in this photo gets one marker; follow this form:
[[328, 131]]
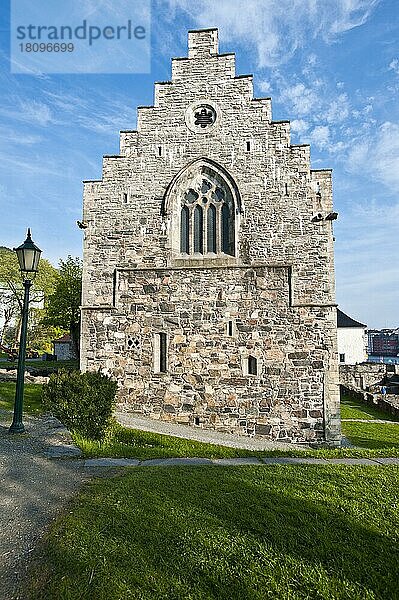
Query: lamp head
[[28, 257]]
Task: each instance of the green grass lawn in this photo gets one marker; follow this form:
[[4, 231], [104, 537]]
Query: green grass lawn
[[227, 533], [133, 443], [368, 435], [32, 397], [372, 435]]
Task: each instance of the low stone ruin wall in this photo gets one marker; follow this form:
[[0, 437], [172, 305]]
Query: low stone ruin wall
[[11, 375], [365, 380], [370, 377]]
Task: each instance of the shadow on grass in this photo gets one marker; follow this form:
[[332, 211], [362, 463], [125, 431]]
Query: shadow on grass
[[372, 435], [128, 443], [352, 408], [227, 533]]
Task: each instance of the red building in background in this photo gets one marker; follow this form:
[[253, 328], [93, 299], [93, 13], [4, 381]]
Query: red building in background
[[384, 342]]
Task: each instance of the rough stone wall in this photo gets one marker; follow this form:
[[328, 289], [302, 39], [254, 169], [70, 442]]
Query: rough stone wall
[[283, 226]]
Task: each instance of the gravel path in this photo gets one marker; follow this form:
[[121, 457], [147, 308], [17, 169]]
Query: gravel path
[[33, 491]]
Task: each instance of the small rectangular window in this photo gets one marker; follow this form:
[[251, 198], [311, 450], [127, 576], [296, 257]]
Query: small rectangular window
[[252, 365], [125, 198], [290, 286], [342, 358], [248, 146], [160, 353], [230, 328]]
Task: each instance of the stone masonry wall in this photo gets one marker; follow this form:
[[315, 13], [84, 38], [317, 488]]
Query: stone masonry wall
[[204, 384]]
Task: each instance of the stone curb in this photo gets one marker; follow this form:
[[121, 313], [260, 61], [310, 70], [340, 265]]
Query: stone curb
[[169, 462]]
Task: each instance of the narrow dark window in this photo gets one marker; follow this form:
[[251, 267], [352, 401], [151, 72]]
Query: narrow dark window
[[125, 198], [286, 189], [211, 229], [342, 358], [230, 328], [290, 286], [248, 146], [252, 365], [184, 230], [196, 421], [162, 353], [225, 226], [198, 230], [159, 150]]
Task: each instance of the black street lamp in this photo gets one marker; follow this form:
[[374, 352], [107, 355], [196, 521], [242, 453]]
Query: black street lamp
[[28, 257]]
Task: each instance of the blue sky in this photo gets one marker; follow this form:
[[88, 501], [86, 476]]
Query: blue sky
[[330, 66]]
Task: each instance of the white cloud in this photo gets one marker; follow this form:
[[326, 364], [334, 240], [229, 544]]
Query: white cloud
[[301, 100], [18, 136], [265, 86], [276, 29], [33, 112], [312, 60], [338, 110], [394, 66], [320, 136], [99, 113], [366, 241], [385, 154], [378, 156], [36, 112], [26, 165], [299, 126], [350, 14]]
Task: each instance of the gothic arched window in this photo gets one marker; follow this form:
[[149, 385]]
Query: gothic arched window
[[207, 215]]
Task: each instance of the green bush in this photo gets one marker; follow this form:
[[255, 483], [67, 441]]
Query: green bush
[[82, 401]]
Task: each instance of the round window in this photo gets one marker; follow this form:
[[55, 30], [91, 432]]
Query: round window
[[201, 117]]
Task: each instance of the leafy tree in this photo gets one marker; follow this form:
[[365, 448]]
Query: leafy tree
[[63, 309], [11, 298], [8, 311]]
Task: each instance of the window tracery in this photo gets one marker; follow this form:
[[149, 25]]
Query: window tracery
[[207, 216]]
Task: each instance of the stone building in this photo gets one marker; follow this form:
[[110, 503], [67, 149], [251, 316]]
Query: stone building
[[63, 348], [208, 285]]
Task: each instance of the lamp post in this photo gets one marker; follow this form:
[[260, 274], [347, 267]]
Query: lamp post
[[28, 257]]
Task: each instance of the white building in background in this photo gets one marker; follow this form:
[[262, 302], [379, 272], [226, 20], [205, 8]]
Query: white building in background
[[352, 340]]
